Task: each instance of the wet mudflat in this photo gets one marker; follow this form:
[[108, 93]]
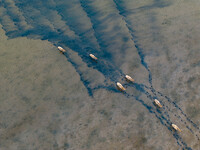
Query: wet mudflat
[[54, 101]]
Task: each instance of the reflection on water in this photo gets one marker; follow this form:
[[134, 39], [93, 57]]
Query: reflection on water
[[128, 37]]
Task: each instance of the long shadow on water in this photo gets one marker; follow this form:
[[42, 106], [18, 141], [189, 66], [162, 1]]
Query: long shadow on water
[[44, 31]]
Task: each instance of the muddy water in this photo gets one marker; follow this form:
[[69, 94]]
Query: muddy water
[[54, 101]]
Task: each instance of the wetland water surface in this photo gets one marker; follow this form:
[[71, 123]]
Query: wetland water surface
[[54, 101]]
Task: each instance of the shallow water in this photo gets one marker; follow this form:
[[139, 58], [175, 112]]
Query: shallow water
[[54, 101]]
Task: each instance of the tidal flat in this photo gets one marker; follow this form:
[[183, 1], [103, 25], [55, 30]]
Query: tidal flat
[[70, 102]]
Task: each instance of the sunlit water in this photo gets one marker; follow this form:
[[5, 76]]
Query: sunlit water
[[155, 42]]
